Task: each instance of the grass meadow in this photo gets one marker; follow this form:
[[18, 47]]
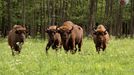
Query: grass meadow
[[118, 59]]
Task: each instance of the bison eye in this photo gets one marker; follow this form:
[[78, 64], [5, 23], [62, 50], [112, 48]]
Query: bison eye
[[17, 32], [105, 33], [60, 31], [95, 33], [69, 31], [53, 32], [47, 31]]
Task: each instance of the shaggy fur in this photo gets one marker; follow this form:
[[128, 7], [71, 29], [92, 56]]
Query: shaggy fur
[[101, 38], [16, 38], [54, 38], [71, 35]]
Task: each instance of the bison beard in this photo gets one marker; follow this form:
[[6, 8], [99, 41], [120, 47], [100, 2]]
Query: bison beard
[[16, 38]]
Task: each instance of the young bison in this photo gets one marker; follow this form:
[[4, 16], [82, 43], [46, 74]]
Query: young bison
[[54, 38], [16, 38], [71, 36], [101, 38]]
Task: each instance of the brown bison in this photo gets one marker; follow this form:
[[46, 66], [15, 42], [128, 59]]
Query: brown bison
[[71, 36], [54, 38], [16, 38], [101, 38]]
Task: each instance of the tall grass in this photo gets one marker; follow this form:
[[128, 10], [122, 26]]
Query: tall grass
[[118, 59]]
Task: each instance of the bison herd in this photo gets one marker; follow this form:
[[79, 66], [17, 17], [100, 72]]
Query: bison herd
[[68, 35]]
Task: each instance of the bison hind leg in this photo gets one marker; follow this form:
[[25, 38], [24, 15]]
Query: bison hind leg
[[13, 53], [75, 49], [98, 50], [104, 47], [12, 49], [66, 51], [18, 49], [54, 46], [79, 46], [15, 49], [48, 46], [72, 51]]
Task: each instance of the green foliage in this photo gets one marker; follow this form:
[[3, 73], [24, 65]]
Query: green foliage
[[77, 11], [117, 60], [100, 11], [38, 14]]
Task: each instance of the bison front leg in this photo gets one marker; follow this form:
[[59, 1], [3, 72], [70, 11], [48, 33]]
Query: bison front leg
[[73, 49], [19, 46], [12, 52], [17, 49], [48, 46], [104, 47], [98, 49], [12, 49], [79, 46]]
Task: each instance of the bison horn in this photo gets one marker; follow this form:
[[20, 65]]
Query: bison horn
[[47, 30], [57, 28], [105, 32], [71, 29]]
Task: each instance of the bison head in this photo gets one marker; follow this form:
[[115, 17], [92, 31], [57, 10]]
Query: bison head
[[65, 29], [65, 33], [20, 32], [51, 31], [19, 29], [100, 35]]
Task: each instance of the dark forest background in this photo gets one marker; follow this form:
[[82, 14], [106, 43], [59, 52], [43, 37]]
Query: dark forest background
[[36, 15]]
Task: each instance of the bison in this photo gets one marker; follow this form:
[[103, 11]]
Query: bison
[[54, 38], [71, 35], [16, 38], [101, 38]]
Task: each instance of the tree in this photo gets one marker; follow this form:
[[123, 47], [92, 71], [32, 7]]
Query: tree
[[132, 19], [92, 14]]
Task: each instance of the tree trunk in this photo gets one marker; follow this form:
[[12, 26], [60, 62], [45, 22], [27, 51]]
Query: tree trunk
[[132, 19], [6, 18], [23, 12], [119, 22], [92, 14]]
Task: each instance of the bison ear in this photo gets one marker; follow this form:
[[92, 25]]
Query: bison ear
[[58, 30], [105, 32], [55, 31], [47, 30], [71, 30], [27, 31], [17, 32], [94, 28], [95, 33]]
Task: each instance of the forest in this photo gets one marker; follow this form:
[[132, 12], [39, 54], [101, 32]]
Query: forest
[[37, 15], [38, 54]]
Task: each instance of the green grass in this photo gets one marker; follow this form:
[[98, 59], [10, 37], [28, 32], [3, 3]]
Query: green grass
[[118, 59]]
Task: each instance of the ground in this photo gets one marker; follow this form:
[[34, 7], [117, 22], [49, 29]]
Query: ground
[[118, 59]]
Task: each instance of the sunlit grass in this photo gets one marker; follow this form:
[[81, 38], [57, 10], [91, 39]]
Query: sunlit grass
[[118, 59]]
